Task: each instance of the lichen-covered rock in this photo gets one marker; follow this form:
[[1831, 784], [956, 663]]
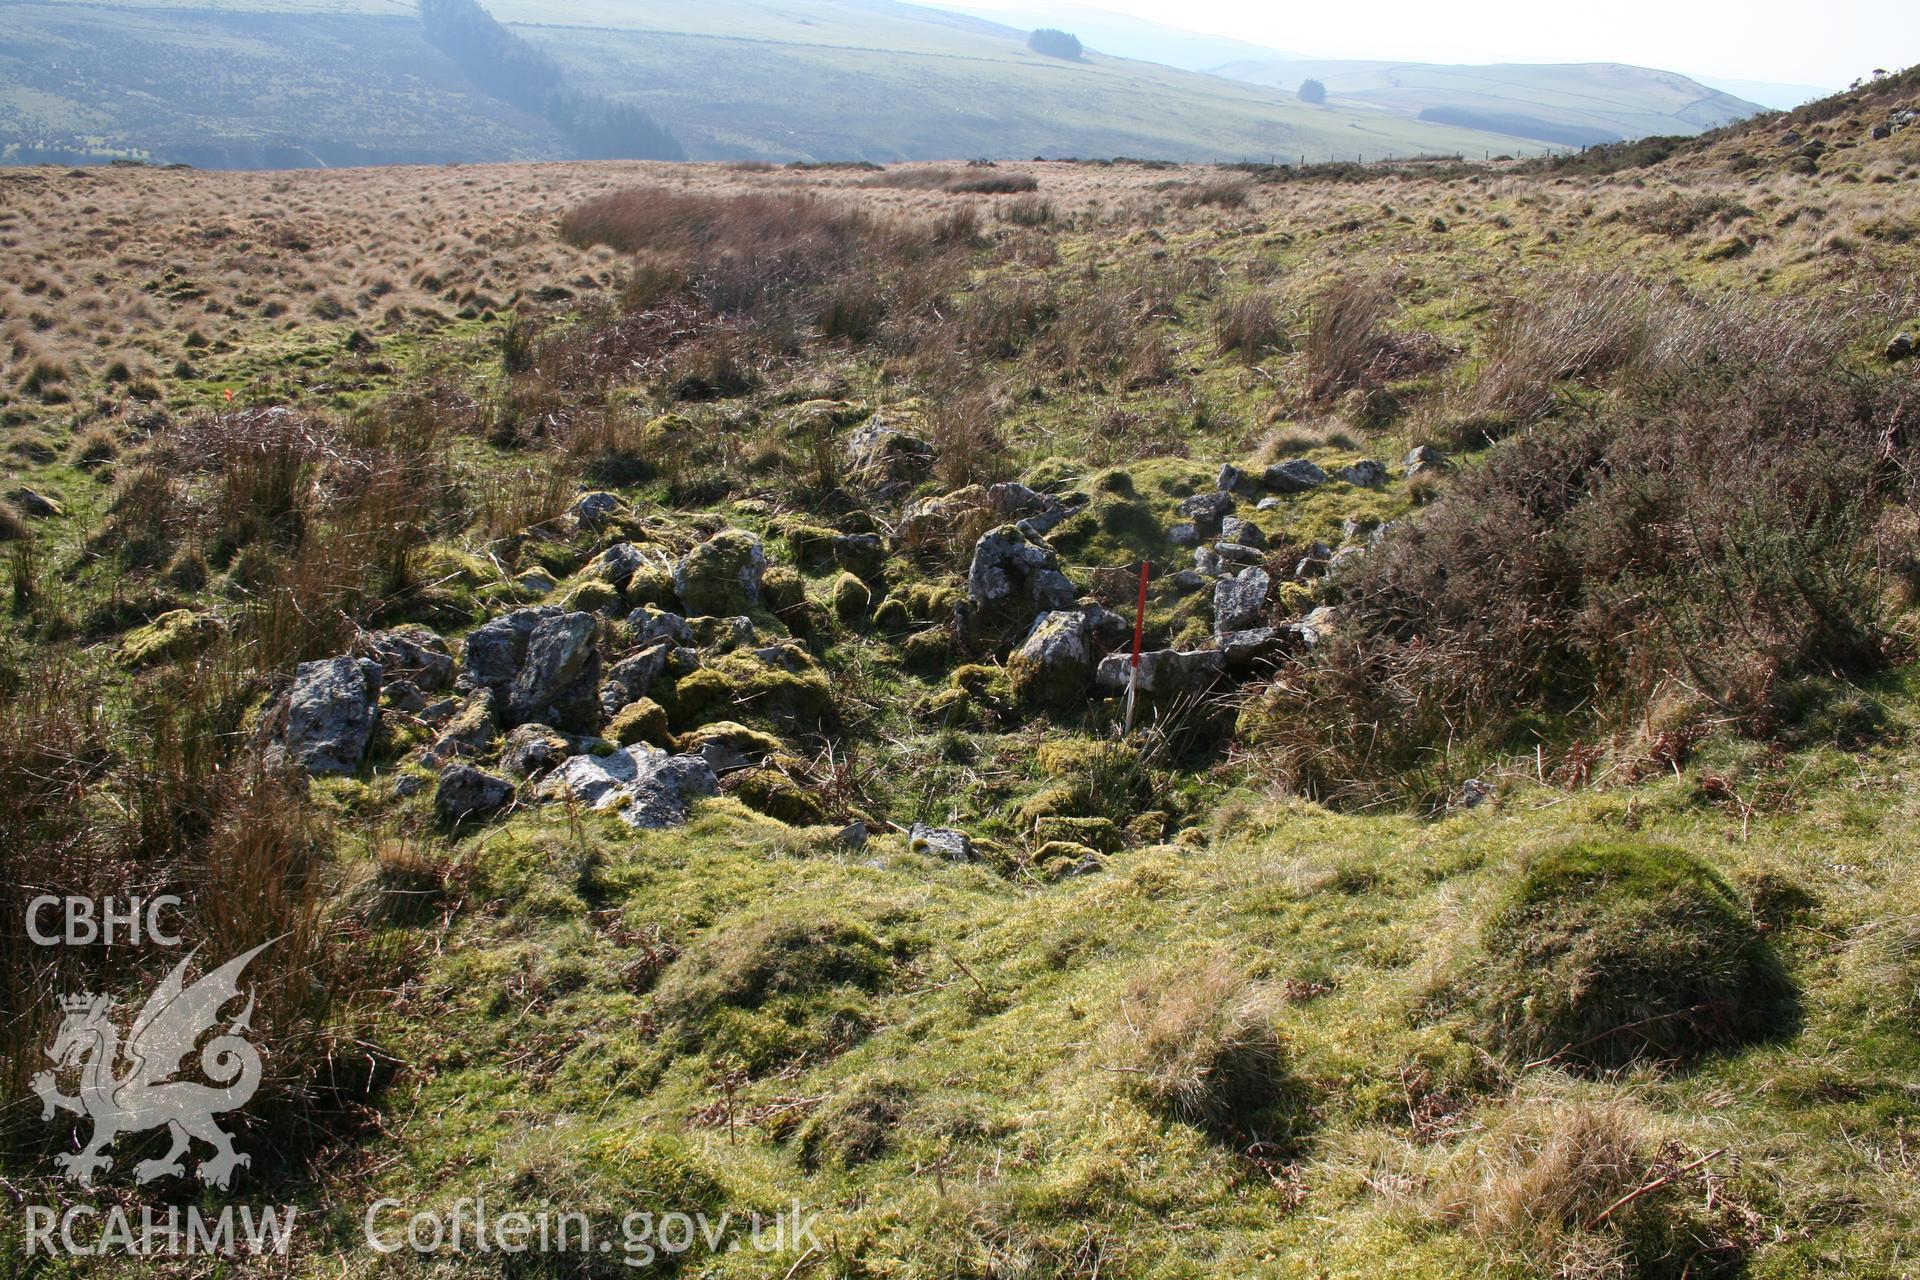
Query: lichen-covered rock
[[1036, 513], [647, 787], [330, 714], [1313, 628], [1237, 553], [629, 679], [932, 520], [1054, 664], [616, 566], [1244, 651], [864, 554], [532, 749], [722, 575], [470, 732], [885, 458], [1364, 474], [1011, 569], [559, 679], [496, 649], [171, 637], [1314, 563], [1243, 533], [940, 842], [723, 635], [1207, 511], [1162, 671], [413, 653], [591, 510], [1240, 602], [1425, 460], [648, 623], [466, 793], [1296, 476]]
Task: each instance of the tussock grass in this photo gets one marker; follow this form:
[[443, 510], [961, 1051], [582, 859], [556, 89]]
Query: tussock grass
[[1200, 1044], [1603, 954]]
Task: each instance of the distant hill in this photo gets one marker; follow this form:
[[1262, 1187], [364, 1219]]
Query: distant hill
[[880, 81], [1125, 36], [1574, 104], [248, 83], [1780, 97]]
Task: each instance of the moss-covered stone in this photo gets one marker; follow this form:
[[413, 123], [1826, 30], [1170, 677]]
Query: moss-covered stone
[[642, 721], [730, 744], [592, 596], [784, 591], [928, 650], [1099, 833], [171, 637], [698, 697], [786, 689], [851, 599], [652, 585], [1053, 666], [1058, 859], [810, 544], [722, 575], [772, 792], [1077, 757]]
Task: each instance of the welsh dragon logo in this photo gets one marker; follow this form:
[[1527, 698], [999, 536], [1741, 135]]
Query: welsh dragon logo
[[144, 1095]]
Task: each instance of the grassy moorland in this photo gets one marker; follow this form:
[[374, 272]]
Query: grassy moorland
[[1545, 907]]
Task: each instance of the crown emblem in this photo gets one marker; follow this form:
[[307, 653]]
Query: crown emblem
[[79, 1002]]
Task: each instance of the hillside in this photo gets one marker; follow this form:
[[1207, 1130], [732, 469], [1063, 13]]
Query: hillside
[[643, 646], [1125, 36], [1566, 105], [334, 82]]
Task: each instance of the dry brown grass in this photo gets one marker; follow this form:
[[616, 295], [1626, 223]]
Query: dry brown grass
[[1199, 1042]]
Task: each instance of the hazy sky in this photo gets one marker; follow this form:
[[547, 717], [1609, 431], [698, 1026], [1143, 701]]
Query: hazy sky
[[1828, 44]]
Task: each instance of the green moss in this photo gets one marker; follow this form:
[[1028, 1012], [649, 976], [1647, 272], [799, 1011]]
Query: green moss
[[811, 545], [1606, 952], [652, 585], [774, 793], [642, 721], [1058, 858], [857, 1126], [784, 591], [739, 738], [768, 985], [171, 637], [592, 596], [851, 599], [928, 650], [792, 695], [1097, 833], [722, 576]]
